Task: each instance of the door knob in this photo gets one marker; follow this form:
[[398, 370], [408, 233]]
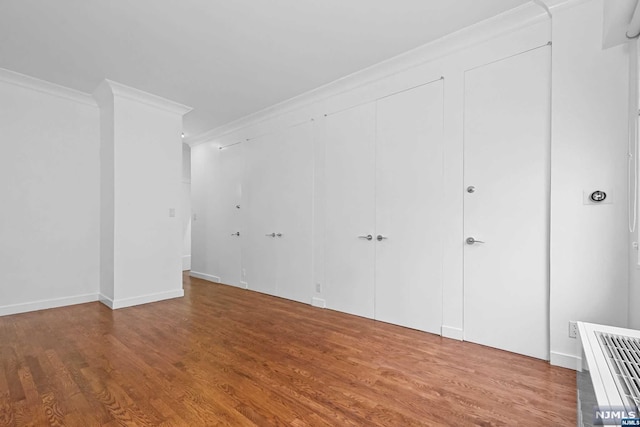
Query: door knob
[[237, 233], [380, 238], [368, 237], [279, 234], [471, 241], [271, 235], [471, 189]]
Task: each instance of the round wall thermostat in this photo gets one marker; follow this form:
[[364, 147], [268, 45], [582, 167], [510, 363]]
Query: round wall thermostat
[[598, 196]]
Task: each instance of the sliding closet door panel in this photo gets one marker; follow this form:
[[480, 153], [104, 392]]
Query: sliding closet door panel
[[259, 245], [231, 166], [408, 209], [350, 210], [293, 205]]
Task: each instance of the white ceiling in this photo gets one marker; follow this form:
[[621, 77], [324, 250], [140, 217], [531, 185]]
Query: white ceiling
[[224, 58]]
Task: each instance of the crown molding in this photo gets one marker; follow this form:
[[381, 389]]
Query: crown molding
[[554, 5], [108, 89], [519, 17], [28, 82]]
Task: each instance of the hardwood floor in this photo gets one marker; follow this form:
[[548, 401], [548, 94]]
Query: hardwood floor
[[226, 356]]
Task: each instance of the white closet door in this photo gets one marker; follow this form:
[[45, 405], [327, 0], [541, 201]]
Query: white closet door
[[259, 258], [293, 212], [350, 210], [408, 208], [231, 163], [506, 160]]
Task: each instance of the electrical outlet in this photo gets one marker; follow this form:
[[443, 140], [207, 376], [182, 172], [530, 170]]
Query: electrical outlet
[[573, 329], [318, 288]]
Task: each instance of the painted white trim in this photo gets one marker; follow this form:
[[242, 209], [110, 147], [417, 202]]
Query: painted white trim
[[109, 89], [106, 301], [142, 299], [186, 262], [318, 302], [524, 15], [451, 332], [203, 276], [103, 95], [554, 5], [565, 360], [28, 82], [7, 310], [245, 285]]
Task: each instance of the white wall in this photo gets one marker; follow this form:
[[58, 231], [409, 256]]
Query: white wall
[[589, 250], [634, 235], [186, 207], [204, 247], [145, 231], [588, 243], [107, 199], [49, 222], [148, 184], [446, 59]]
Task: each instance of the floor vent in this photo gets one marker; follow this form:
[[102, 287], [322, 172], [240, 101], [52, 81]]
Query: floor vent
[[623, 357]]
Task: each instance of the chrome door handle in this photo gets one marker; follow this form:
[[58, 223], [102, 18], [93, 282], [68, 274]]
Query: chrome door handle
[[279, 234], [471, 241], [271, 235], [380, 238], [368, 237], [237, 233]]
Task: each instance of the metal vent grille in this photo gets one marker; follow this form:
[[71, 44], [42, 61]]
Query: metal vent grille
[[623, 357]]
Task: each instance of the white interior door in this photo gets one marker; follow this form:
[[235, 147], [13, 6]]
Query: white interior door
[[506, 160], [293, 205], [231, 166], [408, 289], [259, 259], [350, 210]]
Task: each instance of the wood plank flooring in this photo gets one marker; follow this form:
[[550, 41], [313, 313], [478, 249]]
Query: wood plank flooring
[[226, 356]]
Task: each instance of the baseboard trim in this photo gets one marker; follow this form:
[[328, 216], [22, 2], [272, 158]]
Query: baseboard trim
[[565, 360], [451, 332], [106, 301], [203, 276], [142, 299], [244, 285], [318, 302], [186, 262], [26, 307]]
